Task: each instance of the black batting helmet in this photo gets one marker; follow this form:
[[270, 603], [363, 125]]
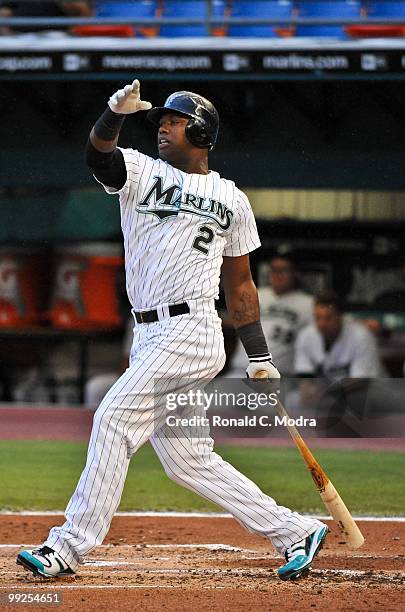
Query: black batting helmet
[[202, 127]]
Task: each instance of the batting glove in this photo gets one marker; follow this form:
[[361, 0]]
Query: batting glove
[[262, 369], [128, 100]]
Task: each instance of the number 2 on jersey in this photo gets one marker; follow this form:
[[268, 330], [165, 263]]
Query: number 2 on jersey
[[205, 236]]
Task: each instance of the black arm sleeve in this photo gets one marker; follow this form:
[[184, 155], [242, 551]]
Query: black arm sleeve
[[108, 168], [254, 342]]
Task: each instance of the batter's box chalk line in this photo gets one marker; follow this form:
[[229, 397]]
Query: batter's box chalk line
[[377, 577]]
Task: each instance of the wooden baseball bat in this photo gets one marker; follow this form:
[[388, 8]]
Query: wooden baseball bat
[[330, 497]]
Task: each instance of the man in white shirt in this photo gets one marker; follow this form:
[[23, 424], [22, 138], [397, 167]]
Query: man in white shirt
[[335, 350], [334, 346]]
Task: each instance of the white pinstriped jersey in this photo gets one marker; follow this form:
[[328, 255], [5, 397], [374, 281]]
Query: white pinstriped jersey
[[177, 227]]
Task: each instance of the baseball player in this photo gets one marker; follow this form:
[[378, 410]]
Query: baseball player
[[181, 222], [285, 310]]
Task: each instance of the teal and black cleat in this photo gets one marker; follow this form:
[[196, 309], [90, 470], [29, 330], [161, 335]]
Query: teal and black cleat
[[301, 554], [44, 562]]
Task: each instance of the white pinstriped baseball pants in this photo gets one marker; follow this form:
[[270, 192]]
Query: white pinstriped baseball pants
[[186, 346]]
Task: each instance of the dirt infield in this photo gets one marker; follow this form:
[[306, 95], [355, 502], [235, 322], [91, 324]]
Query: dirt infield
[[178, 563]]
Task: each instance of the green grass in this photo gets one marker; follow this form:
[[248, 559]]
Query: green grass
[[42, 475]]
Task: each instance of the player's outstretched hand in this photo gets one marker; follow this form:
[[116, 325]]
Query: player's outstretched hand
[[128, 100], [262, 369]]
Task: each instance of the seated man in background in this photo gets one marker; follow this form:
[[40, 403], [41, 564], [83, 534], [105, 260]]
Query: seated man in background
[[342, 355], [285, 309], [335, 346]]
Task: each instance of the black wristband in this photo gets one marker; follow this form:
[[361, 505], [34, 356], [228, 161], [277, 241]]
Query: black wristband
[[108, 126], [254, 342]]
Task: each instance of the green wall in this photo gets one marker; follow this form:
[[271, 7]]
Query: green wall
[[343, 135]]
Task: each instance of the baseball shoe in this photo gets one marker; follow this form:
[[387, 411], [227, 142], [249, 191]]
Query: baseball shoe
[[44, 562], [301, 554]]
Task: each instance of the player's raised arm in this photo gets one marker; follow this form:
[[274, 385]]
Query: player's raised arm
[[102, 155], [243, 308]]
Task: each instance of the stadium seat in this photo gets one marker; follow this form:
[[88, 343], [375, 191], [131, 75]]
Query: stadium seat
[[193, 9], [381, 9], [119, 31], [343, 9], [218, 9], [266, 9], [385, 8], [128, 8]]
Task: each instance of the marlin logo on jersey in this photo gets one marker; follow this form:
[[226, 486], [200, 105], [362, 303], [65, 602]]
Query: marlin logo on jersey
[[169, 202]]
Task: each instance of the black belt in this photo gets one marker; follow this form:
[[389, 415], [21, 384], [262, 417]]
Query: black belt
[[150, 316]]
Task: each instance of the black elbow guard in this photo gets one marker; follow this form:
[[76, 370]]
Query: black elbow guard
[[108, 168], [97, 159]]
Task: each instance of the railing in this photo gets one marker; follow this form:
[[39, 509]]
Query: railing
[[209, 21]]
